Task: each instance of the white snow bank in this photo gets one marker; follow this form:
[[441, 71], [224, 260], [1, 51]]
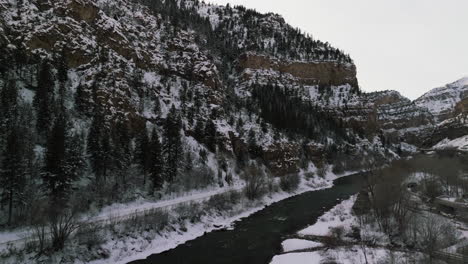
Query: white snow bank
[[346, 255], [340, 215], [299, 244], [297, 258], [460, 143]]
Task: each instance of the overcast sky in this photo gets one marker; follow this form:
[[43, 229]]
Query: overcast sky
[[410, 46]]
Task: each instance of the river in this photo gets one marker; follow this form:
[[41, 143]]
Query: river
[[257, 238]]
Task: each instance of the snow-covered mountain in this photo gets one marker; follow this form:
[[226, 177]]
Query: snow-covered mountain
[[135, 59], [442, 101], [448, 106]]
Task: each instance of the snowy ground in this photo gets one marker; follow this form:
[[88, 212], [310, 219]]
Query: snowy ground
[[349, 255], [339, 216], [460, 143], [294, 244], [121, 212]]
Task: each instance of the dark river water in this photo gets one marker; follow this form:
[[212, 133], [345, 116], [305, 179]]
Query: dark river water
[[257, 238]]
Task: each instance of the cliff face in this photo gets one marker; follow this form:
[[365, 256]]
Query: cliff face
[[398, 117], [307, 73]]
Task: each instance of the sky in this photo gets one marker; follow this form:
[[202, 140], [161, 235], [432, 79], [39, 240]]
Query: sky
[[410, 46]]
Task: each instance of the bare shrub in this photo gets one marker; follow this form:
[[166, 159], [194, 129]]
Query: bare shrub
[[432, 189], [189, 211], [223, 202], [157, 219], [39, 224], [435, 233], [309, 175], [271, 185], [337, 232], [197, 178], [322, 169], [89, 234], [255, 180], [289, 183], [62, 224]]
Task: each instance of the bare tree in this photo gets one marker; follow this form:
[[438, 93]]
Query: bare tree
[[435, 233], [255, 180]]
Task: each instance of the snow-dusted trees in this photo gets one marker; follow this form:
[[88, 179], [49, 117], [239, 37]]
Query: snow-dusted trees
[[156, 161], [99, 148], [172, 145], [8, 106], [121, 151], [210, 135], [142, 152], [56, 173], [15, 148], [80, 102], [285, 110], [13, 169]]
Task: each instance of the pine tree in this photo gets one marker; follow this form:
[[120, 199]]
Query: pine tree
[[198, 131], [80, 101], [62, 75], [13, 169], [62, 68], [120, 150], [142, 152], [98, 148], [210, 136], [156, 161], [8, 106], [43, 100], [75, 160], [172, 144], [56, 178]]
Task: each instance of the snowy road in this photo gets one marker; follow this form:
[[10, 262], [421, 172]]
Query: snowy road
[[117, 212]]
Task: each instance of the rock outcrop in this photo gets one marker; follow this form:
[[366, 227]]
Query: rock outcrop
[[308, 73]]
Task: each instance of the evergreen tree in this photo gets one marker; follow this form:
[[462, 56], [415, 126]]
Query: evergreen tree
[[156, 161], [172, 144], [8, 106], [142, 152], [120, 150], [55, 175], [98, 148], [210, 136], [44, 98], [62, 68], [74, 156], [13, 169], [198, 131], [80, 99], [62, 75]]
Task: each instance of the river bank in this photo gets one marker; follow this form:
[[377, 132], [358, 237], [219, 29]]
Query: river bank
[[255, 238]]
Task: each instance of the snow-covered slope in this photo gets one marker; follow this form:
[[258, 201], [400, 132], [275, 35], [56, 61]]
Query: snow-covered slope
[[458, 143], [441, 101]]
